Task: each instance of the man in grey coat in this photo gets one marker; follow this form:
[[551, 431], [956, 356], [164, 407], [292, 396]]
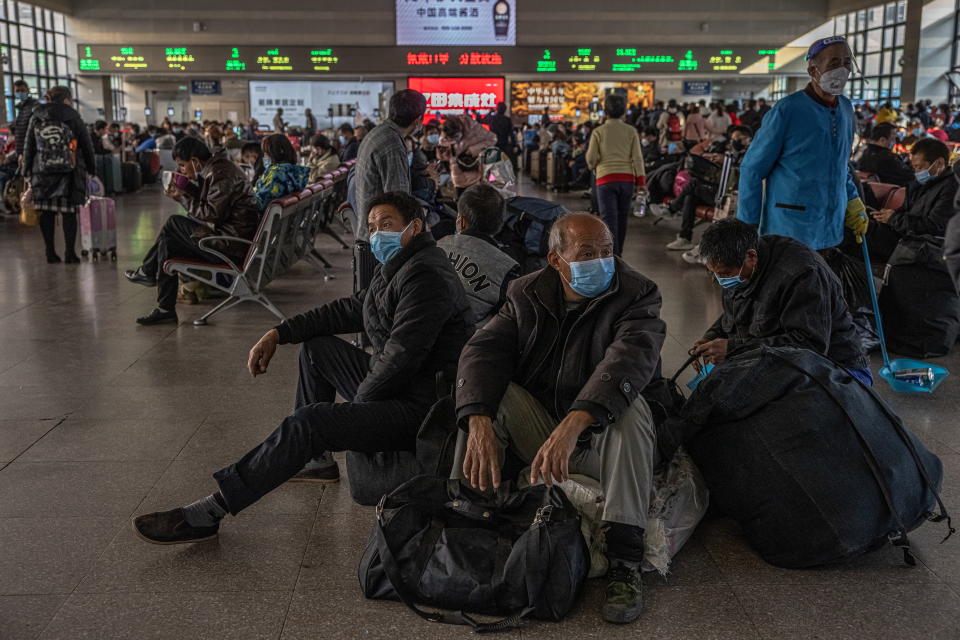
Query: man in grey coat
[[556, 376]]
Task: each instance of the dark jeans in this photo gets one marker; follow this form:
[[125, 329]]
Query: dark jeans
[[687, 202], [613, 201], [327, 365], [174, 241]]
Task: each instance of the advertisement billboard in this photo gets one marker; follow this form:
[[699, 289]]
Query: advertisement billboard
[[456, 22], [572, 100], [456, 96], [350, 102]]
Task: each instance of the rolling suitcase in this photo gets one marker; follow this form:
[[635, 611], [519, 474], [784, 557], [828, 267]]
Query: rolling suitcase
[[132, 177], [98, 229], [108, 170]]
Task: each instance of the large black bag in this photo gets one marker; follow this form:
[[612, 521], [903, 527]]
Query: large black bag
[[373, 475], [526, 230], [919, 302], [813, 464], [132, 176], [853, 279], [441, 544]]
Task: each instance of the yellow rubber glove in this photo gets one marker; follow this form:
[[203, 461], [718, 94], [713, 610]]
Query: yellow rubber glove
[[856, 218]]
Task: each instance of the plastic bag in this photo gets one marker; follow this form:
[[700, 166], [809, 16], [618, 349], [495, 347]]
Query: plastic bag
[[28, 211], [500, 174], [95, 186]]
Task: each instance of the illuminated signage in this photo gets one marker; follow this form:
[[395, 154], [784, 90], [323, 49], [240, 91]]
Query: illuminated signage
[[571, 100], [426, 60], [456, 22], [452, 96], [343, 99]]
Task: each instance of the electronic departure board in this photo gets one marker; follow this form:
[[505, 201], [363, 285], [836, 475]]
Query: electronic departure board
[[451, 61]]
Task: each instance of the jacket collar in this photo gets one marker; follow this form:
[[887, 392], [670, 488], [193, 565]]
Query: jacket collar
[[547, 290], [420, 241], [934, 181], [812, 94], [763, 257], [480, 236]]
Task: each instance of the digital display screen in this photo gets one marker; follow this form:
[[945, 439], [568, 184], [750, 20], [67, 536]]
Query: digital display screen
[[430, 60], [456, 22], [332, 103], [456, 96], [572, 100]]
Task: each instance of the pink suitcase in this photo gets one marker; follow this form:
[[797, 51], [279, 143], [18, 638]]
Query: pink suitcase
[[98, 228]]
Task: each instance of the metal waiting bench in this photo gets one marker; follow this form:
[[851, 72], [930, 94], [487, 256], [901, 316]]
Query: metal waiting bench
[[285, 236]]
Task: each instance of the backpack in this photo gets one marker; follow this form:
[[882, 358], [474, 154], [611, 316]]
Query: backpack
[[674, 130], [813, 464], [526, 230], [56, 147]]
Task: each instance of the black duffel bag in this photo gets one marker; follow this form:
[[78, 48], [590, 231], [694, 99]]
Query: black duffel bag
[[813, 464], [441, 544]]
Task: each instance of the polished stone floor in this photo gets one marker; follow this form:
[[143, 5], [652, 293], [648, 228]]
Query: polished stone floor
[[101, 420]]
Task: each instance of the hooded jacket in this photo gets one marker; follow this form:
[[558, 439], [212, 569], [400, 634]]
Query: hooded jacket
[[73, 185], [793, 299], [610, 354], [415, 313], [928, 207], [472, 143]]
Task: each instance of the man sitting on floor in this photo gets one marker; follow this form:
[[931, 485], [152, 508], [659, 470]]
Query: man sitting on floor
[[219, 202], [929, 204], [484, 269], [777, 292], [416, 316], [556, 376]]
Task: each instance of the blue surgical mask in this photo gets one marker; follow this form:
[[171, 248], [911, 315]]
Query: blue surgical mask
[[918, 131], [267, 162], [731, 282], [923, 177], [433, 138], [386, 244], [21, 96], [590, 278], [409, 158], [342, 139]]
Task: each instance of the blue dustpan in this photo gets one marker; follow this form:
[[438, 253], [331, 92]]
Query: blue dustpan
[[891, 367]]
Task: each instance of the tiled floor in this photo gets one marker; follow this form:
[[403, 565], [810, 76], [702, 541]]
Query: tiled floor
[[101, 419]]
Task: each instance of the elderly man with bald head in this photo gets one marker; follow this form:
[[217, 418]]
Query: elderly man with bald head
[[556, 377]]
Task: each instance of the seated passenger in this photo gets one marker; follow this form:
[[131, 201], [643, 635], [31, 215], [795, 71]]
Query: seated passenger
[[929, 204], [484, 269], [251, 161], [323, 159], [699, 192], [416, 315], [556, 376], [218, 201], [779, 293], [282, 175], [349, 143], [879, 159]]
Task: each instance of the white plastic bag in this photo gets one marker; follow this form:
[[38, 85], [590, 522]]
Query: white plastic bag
[[498, 172]]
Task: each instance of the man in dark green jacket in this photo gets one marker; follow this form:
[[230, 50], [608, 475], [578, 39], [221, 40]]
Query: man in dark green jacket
[[415, 313]]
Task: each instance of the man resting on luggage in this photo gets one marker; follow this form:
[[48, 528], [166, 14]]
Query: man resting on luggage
[[219, 202], [929, 204], [777, 292], [416, 316], [484, 269], [556, 376]]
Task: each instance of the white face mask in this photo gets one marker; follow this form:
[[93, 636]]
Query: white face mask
[[834, 81]]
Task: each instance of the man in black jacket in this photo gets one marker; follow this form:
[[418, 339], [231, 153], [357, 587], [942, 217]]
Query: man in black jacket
[[777, 292], [878, 159], [929, 204], [951, 241], [415, 314], [556, 375], [25, 107]]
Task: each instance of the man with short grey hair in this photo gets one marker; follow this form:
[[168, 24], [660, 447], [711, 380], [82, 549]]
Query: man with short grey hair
[[556, 376]]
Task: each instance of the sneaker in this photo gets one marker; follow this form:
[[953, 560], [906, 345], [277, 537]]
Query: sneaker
[[156, 317], [692, 256], [659, 210], [170, 527], [322, 475], [680, 244], [137, 276], [624, 597]]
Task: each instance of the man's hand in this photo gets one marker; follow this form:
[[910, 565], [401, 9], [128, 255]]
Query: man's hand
[[712, 352], [173, 192], [552, 462], [883, 216], [856, 218], [481, 465], [693, 351], [262, 353]]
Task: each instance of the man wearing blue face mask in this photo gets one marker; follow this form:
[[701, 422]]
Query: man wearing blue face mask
[[557, 376], [349, 145], [25, 106], [415, 313], [779, 293], [929, 203]]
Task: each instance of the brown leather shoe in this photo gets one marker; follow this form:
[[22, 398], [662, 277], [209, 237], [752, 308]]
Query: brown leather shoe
[[170, 527]]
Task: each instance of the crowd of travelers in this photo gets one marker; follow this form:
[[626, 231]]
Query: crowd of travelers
[[555, 368]]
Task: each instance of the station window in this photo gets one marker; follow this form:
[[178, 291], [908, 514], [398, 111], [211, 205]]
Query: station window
[[33, 46], [876, 36], [954, 74]]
